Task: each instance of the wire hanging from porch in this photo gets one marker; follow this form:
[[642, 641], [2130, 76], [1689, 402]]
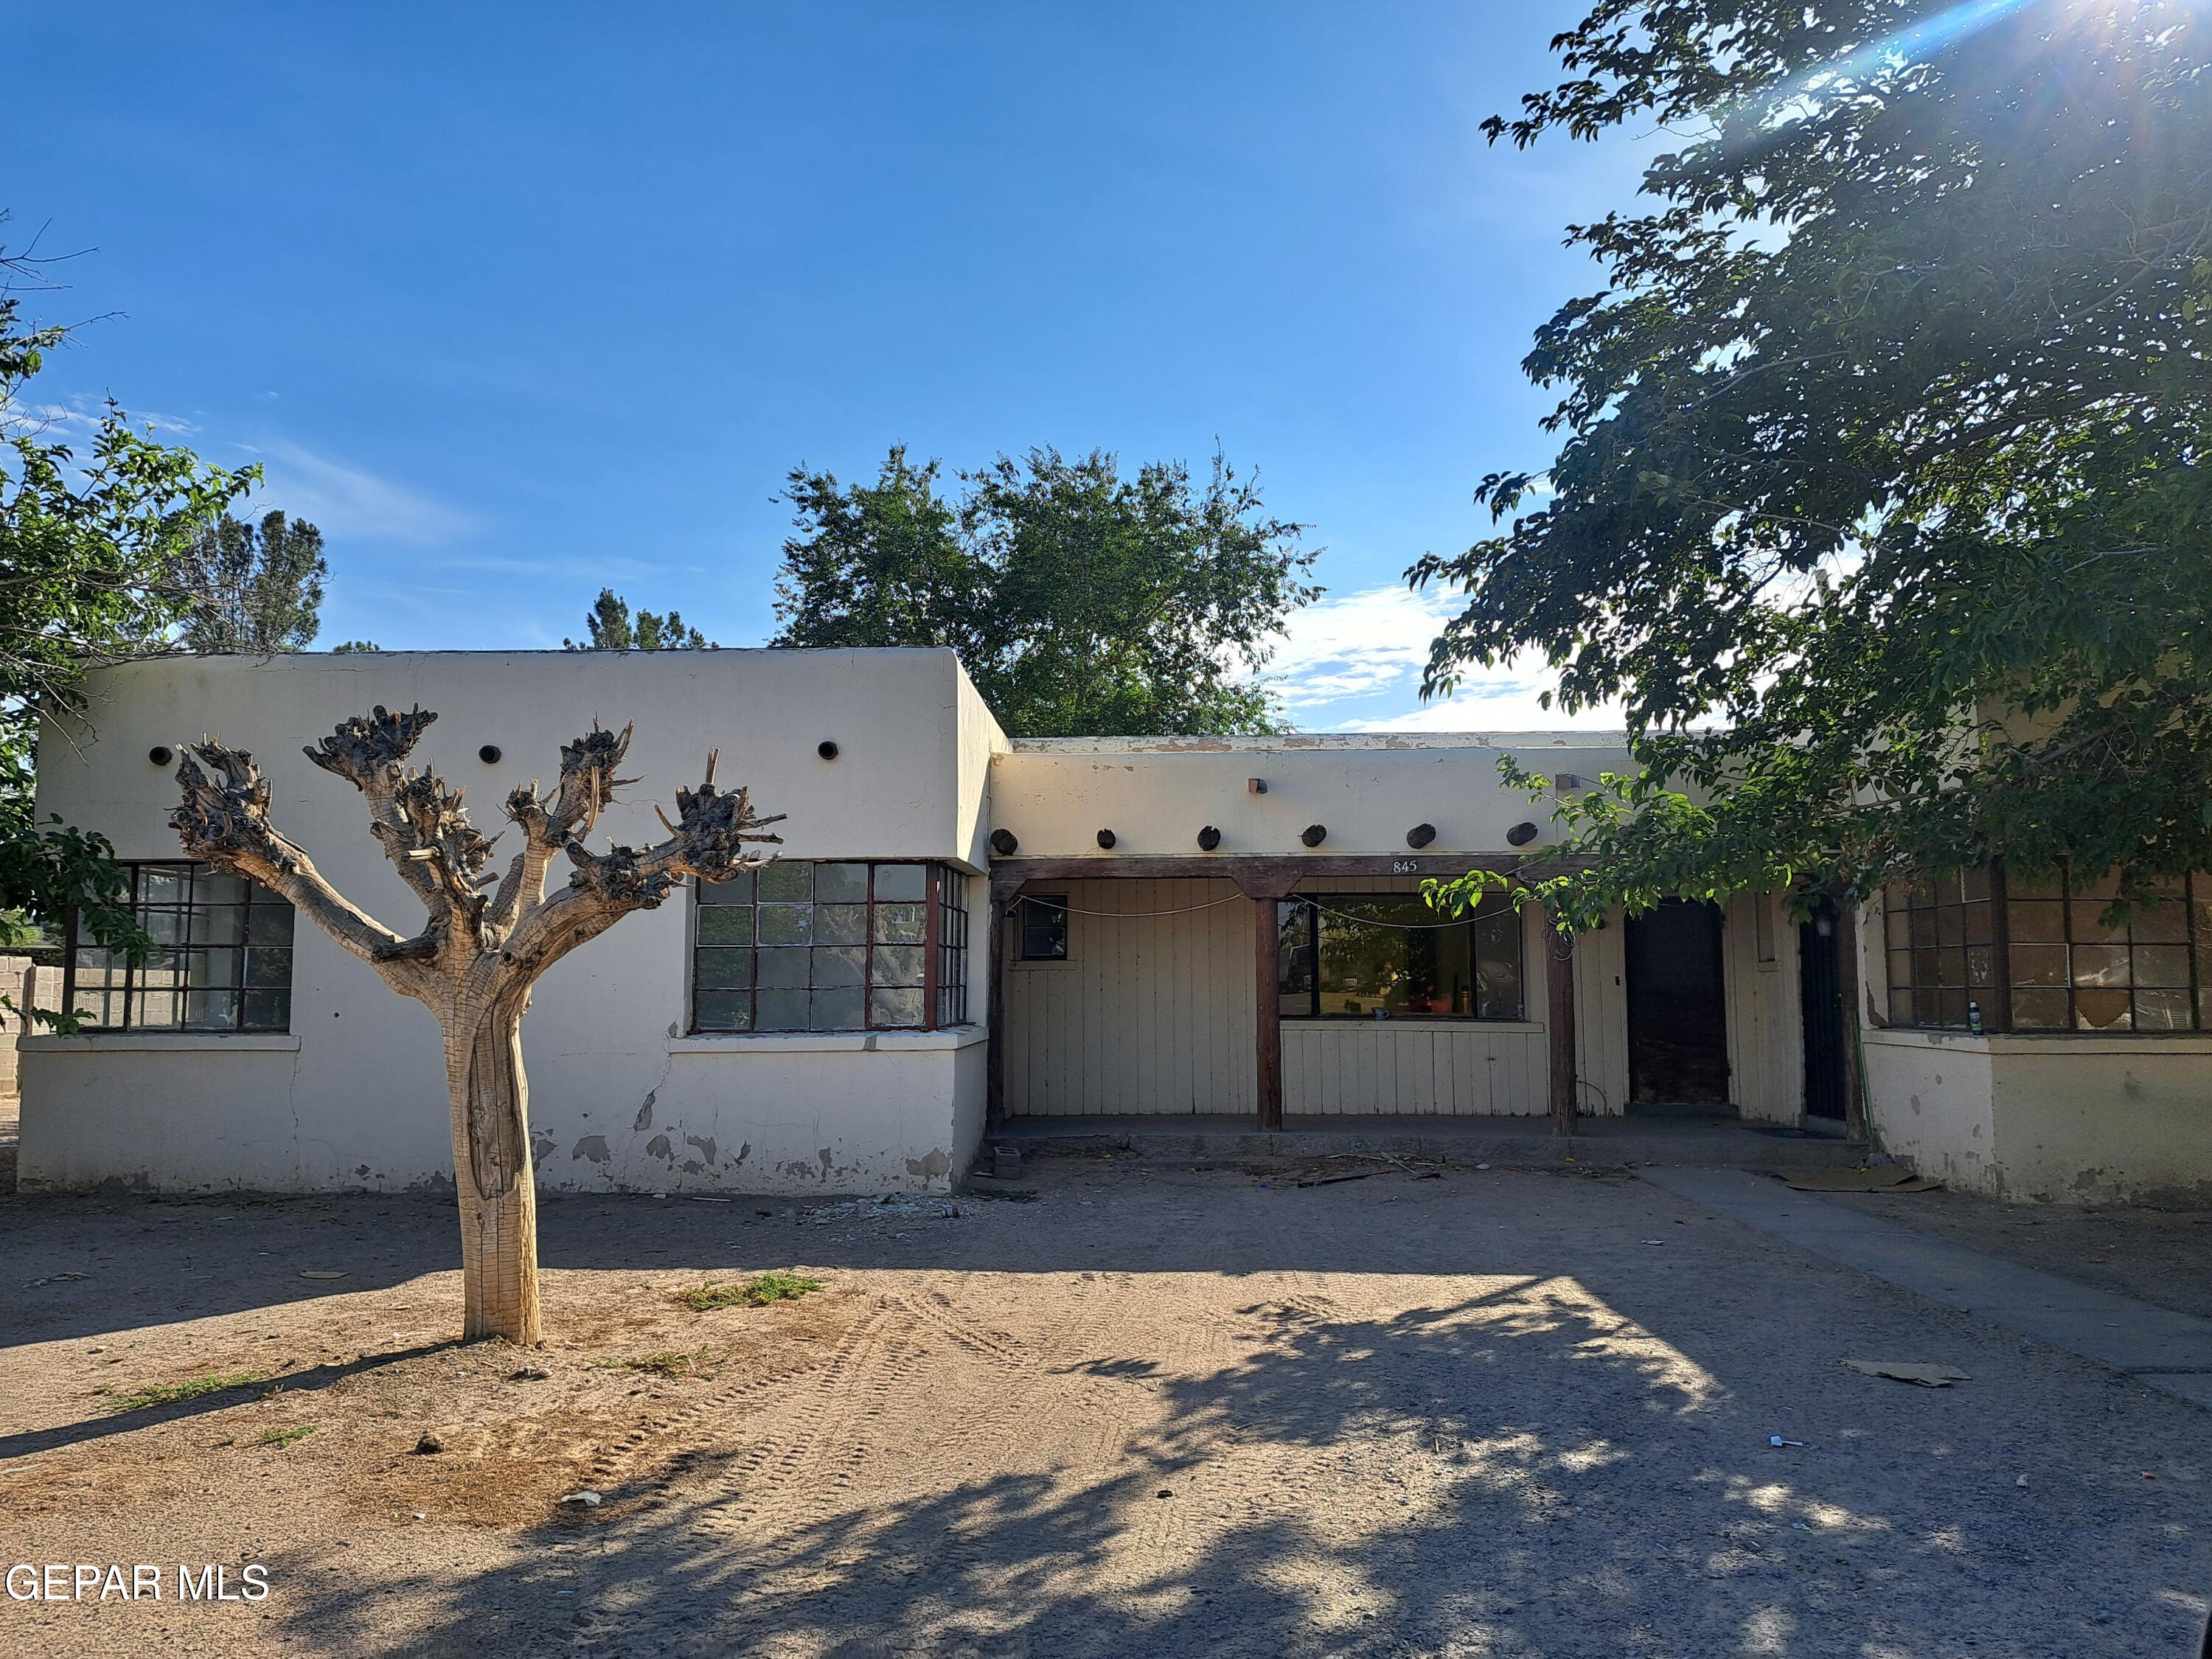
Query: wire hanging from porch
[[1132, 915]]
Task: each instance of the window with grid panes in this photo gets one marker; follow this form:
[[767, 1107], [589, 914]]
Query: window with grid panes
[[222, 959], [2041, 957], [830, 946]]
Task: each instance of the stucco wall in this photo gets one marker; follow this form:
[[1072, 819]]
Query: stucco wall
[[618, 1096], [2070, 1118], [1368, 789]]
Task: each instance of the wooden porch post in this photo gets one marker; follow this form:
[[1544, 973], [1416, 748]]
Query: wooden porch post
[[1847, 993], [1268, 957], [1004, 888], [1559, 994]]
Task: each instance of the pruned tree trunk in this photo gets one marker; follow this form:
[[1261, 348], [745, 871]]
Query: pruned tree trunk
[[491, 1098], [476, 961]]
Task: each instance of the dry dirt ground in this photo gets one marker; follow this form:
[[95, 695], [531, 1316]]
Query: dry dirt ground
[[1155, 1410]]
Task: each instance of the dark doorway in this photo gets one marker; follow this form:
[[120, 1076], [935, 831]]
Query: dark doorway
[[1820, 981], [1677, 1021]]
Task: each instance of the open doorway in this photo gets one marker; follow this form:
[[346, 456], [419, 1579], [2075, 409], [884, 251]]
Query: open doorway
[[1677, 1019]]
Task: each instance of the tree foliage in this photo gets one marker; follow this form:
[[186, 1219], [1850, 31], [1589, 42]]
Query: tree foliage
[[259, 587], [1880, 504], [1080, 600], [91, 551], [610, 627]]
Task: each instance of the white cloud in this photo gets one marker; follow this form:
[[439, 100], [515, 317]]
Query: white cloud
[[1356, 646], [346, 502], [1494, 699], [1369, 648]]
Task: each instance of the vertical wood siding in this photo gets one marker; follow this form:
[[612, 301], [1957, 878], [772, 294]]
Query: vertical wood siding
[[1766, 1018], [1154, 1014], [1151, 1014]]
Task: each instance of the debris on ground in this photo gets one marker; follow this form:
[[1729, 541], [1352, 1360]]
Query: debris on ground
[[1778, 1440], [1870, 1178], [890, 1206], [428, 1446], [1910, 1370], [323, 1272], [587, 1499]]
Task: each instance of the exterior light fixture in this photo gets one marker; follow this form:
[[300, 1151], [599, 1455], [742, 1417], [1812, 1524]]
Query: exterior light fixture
[[1256, 785], [1106, 839], [160, 754], [1521, 834], [826, 748], [1004, 844], [488, 754], [1315, 834], [1567, 781], [1209, 838], [1420, 835]]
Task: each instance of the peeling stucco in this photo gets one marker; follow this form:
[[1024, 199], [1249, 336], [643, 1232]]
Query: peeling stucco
[[592, 1146]]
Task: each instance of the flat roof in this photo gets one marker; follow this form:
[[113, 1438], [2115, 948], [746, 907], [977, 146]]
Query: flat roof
[[1269, 743]]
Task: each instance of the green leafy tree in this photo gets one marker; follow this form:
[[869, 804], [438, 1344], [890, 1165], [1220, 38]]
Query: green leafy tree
[[352, 647], [1881, 503], [258, 588], [610, 627], [91, 550], [1081, 601]]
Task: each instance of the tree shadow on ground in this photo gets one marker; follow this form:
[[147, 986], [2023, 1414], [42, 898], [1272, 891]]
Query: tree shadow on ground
[[1521, 1472]]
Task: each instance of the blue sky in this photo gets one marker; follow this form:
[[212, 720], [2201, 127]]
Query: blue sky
[[519, 301]]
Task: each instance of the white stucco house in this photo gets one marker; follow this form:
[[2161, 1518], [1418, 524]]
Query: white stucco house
[[962, 928]]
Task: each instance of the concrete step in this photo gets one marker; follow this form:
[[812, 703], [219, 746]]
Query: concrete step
[[1721, 1143]]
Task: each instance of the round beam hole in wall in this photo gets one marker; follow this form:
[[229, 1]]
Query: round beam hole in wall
[[1106, 839], [489, 754], [1004, 844], [1521, 834], [1420, 835], [826, 748], [160, 754], [1209, 838], [1314, 834]]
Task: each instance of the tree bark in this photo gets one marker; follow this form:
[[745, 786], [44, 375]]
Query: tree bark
[[492, 1177]]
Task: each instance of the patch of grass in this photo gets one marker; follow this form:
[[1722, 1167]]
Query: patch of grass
[[702, 1363], [168, 1394], [281, 1438], [755, 1292]]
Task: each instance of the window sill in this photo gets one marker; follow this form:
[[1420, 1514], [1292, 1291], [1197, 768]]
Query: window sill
[[842, 1042], [196, 1043], [2038, 1043]]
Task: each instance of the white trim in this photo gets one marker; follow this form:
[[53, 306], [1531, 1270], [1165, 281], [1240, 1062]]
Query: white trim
[[844, 1043], [2041, 1043], [163, 1043]]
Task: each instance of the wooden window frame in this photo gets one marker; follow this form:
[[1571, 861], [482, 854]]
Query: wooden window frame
[[1047, 900], [1311, 902]]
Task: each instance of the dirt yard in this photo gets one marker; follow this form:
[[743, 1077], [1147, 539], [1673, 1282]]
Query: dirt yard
[[1153, 1411]]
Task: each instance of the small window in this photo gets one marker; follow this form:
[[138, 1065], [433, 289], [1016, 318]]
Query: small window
[[1382, 956], [830, 946], [222, 959], [1044, 928]]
